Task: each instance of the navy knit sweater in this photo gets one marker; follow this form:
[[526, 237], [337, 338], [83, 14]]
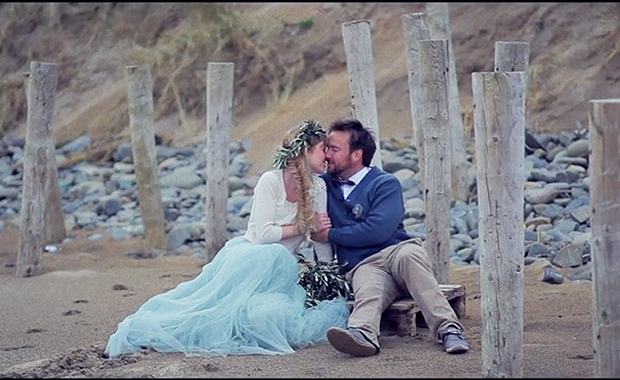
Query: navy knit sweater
[[369, 220]]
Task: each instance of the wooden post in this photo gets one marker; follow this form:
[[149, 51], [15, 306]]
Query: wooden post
[[512, 56], [435, 114], [219, 124], [54, 215], [415, 29], [604, 121], [140, 101], [438, 17], [358, 50], [499, 121], [36, 186], [53, 14], [55, 229]]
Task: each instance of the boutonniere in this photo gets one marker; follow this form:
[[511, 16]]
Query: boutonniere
[[357, 211]]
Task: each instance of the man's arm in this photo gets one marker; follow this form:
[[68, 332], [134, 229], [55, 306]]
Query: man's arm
[[321, 236]]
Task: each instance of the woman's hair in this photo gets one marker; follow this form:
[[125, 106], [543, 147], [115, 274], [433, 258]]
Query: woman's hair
[[296, 143]]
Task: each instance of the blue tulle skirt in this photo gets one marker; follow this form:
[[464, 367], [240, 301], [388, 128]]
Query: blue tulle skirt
[[245, 301]]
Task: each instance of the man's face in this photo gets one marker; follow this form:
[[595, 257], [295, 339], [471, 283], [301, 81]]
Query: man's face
[[338, 156]]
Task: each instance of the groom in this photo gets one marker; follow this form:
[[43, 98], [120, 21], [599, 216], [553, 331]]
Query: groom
[[382, 262]]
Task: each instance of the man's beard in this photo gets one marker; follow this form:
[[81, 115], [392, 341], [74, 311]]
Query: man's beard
[[335, 170]]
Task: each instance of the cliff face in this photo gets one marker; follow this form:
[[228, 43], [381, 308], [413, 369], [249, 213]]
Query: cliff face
[[289, 63]]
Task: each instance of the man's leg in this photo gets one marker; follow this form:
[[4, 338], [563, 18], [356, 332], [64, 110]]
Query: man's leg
[[374, 291], [411, 268]]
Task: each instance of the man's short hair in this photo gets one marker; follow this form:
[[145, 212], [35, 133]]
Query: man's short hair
[[360, 137]]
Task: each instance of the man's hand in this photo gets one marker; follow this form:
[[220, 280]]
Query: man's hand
[[320, 236], [322, 224], [322, 221]]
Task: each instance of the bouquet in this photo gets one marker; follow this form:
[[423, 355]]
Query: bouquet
[[322, 281]]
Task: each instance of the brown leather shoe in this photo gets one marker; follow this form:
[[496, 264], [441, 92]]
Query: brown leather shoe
[[351, 341]]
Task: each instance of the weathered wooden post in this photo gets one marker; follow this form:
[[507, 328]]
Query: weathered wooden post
[[433, 96], [55, 228], [438, 19], [604, 118], [53, 14], [219, 124], [140, 105], [512, 56], [358, 50], [37, 175], [499, 121], [54, 215], [415, 29]]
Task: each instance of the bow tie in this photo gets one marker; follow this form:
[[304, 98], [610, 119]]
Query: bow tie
[[339, 181]]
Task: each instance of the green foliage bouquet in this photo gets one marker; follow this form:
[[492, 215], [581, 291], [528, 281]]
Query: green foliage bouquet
[[322, 281]]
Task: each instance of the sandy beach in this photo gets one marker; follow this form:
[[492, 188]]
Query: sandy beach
[[57, 324]]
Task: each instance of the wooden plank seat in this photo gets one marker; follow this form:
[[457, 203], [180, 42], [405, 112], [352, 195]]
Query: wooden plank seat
[[403, 316]]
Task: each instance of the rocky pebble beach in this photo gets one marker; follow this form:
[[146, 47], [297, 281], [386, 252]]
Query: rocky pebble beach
[[103, 197]]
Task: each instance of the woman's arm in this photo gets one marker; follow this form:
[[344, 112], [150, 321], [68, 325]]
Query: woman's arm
[[289, 231], [267, 191]]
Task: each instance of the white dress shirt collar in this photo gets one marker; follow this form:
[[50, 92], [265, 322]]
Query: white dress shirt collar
[[357, 178]]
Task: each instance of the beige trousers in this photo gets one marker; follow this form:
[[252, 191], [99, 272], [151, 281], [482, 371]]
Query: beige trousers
[[397, 271]]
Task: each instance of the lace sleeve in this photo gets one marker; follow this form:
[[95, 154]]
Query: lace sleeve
[[318, 194]]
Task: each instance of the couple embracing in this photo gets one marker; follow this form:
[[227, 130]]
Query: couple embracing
[[247, 300]]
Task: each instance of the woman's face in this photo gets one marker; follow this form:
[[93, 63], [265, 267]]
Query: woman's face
[[316, 156]]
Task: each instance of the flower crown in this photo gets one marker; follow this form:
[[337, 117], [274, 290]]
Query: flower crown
[[309, 133]]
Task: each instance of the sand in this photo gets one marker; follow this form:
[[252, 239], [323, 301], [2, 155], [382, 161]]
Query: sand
[[57, 324]]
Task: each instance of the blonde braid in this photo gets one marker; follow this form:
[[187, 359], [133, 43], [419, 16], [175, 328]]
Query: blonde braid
[[305, 210], [293, 154]]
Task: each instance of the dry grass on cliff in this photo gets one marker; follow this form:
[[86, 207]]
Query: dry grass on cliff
[[93, 44]]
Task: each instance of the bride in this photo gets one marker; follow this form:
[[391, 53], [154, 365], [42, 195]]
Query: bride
[[247, 300]]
